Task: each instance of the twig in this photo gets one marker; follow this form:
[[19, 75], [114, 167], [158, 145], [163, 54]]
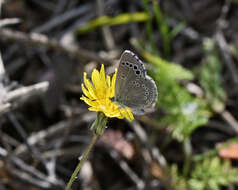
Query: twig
[[187, 31], [27, 91], [66, 152], [21, 132], [39, 39], [29, 179], [29, 169], [224, 11], [58, 145], [51, 131], [7, 96], [227, 116], [60, 6], [2, 70], [4, 106], [21, 93], [9, 21], [16, 63], [8, 139], [61, 19], [107, 35], [144, 139], [1, 2], [125, 167], [226, 55], [49, 165], [222, 43], [153, 184], [152, 153]]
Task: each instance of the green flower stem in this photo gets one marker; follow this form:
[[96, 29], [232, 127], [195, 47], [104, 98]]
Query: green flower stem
[[98, 126]]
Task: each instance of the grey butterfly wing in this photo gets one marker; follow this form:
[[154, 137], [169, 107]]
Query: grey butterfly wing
[[134, 88], [125, 71]]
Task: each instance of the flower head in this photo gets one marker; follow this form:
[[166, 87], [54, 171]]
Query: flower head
[[99, 92]]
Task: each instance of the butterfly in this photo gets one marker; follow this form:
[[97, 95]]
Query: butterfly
[[134, 88]]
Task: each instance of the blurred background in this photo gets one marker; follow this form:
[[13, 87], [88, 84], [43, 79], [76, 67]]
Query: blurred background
[[190, 48]]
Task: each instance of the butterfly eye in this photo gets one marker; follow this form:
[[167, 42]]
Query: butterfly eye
[[123, 63], [138, 72], [127, 63], [135, 67], [130, 65]]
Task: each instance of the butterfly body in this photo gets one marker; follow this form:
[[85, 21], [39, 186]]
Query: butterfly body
[[134, 88]]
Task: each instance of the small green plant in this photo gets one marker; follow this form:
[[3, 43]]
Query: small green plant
[[166, 33], [178, 182], [212, 174], [183, 112], [210, 77], [209, 174]]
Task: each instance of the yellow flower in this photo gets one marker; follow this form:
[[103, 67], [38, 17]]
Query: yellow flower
[[99, 92]]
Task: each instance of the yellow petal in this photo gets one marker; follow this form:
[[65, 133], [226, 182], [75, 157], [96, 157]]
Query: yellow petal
[[130, 115], [94, 109], [113, 84], [108, 89], [85, 91], [89, 86], [102, 75], [99, 82], [95, 78], [88, 101], [108, 81]]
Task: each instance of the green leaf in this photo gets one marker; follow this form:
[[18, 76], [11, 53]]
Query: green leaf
[[174, 71], [163, 27], [124, 18], [177, 30]]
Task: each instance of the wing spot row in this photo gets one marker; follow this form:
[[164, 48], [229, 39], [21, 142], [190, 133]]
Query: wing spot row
[[135, 68]]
